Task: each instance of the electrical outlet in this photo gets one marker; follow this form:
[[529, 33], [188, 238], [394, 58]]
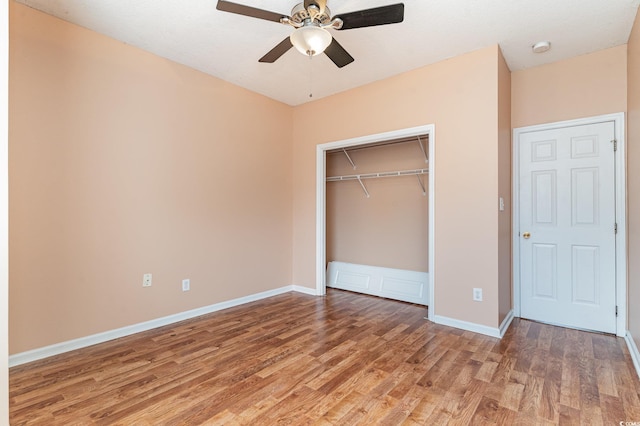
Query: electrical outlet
[[477, 294], [146, 280], [186, 285]]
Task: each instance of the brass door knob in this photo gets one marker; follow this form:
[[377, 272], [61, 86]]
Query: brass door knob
[[526, 235]]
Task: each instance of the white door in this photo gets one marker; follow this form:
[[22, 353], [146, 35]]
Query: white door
[[567, 226]]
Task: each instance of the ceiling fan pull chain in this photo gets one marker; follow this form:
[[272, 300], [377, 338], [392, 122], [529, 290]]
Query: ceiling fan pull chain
[[310, 76]]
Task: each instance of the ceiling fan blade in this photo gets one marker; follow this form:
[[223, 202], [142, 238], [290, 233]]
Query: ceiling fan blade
[[338, 55], [277, 51], [240, 9], [320, 3], [391, 14]]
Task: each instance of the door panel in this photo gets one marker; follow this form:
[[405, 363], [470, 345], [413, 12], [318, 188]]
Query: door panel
[[585, 274], [545, 285], [567, 206], [544, 200], [584, 197]]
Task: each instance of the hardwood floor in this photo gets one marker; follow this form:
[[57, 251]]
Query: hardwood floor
[[344, 359]]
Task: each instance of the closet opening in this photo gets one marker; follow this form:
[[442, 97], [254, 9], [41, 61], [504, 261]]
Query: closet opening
[[375, 218]]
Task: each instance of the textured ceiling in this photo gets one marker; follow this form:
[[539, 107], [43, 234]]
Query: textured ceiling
[[228, 46]]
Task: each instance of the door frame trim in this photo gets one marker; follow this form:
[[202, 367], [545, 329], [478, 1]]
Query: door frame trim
[[620, 208], [321, 176]]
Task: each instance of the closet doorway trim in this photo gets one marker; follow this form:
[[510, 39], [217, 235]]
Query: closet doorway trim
[[321, 175]]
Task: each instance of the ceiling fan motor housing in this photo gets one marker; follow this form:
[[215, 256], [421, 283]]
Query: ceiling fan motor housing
[[299, 14]]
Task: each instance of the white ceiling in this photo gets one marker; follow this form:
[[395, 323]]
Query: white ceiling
[[228, 46]]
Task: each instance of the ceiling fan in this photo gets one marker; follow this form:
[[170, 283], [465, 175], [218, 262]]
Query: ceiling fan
[[311, 19]]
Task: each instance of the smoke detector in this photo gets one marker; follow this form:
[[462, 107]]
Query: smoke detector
[[541, 46]]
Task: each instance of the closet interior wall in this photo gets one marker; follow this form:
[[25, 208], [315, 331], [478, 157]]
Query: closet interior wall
[[390, 227]]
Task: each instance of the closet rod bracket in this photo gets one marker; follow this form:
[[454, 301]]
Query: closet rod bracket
[[364, 188], [424, 152], [349, 158], [424, 191]]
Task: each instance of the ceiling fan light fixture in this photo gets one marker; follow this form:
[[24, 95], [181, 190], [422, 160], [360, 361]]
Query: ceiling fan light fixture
[[311, 40]]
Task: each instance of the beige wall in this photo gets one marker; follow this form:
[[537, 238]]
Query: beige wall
[[124, 163], [4, 209], [460, 97], [584, 86], [633, 180], [390, 228], [504, 189]]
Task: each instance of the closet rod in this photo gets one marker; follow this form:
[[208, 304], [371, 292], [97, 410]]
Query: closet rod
[[378, 175]]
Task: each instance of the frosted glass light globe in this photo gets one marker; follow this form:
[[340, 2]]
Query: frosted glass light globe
[[311, 40]]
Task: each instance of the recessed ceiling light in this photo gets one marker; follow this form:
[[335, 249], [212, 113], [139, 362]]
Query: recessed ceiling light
[[541, 46]]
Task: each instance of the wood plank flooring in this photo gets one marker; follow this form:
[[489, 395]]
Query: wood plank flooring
[[344, 359]]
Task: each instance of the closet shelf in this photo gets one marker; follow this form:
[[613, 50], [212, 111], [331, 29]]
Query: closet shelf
[[378, 175], [415, 172]]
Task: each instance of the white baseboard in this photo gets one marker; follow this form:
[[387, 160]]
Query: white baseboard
[[506, 322], [305, 290], [469, 326], [70, 345], [633, 350]]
